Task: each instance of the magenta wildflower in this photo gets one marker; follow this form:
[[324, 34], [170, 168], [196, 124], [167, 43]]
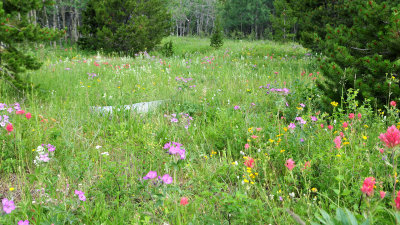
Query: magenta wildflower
[[150, 175], [81, 195], [8, 205], [236, 107], [51, 148], [292, 126], [167, 179], [313, 118], [175, 148], [23, 222]]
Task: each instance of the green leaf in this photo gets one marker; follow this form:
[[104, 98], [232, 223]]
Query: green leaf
[[337, 191], [339, 178]]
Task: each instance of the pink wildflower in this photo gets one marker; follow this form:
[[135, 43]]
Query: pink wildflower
[[22, 222], [9, 127], [20, 112], [246, 146], [330, 127], [391, 138], [397, 201], [184, 201], [338, 142], [249, 162], [322, 125], [345, 124], [28, 115], [393, 103], [307, 164], [351, 116], [359, 115], [383, 194], [290, 164], [368, 186]]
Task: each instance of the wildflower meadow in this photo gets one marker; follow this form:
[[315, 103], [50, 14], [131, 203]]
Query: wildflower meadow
[[240, 137]]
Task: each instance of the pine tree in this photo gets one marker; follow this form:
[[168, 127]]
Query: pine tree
[[16, 28], [216, 40], [126, 26], [360, 42]]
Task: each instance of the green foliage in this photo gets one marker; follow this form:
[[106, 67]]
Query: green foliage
[[16, 29], [216, 40], [360, 51], [168, 49], [342, 218], [124, 26], [246, 17], [283, 21]]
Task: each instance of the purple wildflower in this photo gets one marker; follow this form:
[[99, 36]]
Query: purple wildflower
[[236, 107], [292, 126], [313, 118]]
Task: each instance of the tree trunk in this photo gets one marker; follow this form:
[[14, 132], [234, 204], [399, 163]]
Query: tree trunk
[[62, 11], [55, 23]]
